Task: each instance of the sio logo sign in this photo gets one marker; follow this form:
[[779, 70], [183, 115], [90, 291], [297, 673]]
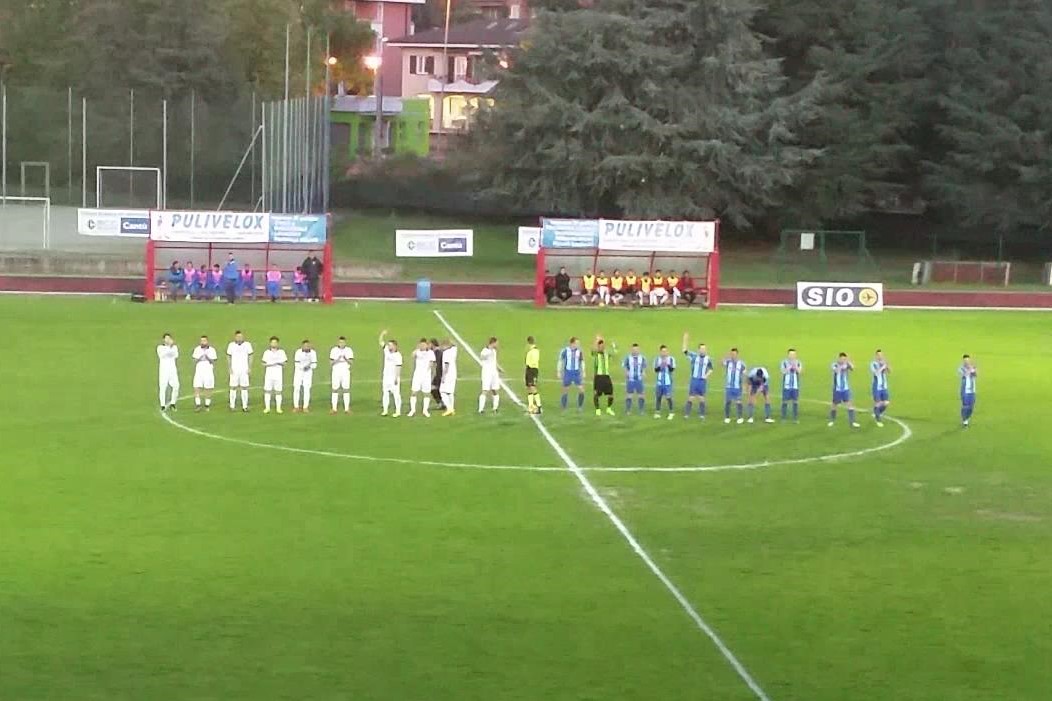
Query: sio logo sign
[[840, 296]]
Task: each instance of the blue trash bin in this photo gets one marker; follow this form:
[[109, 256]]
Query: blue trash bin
[[423, 290]]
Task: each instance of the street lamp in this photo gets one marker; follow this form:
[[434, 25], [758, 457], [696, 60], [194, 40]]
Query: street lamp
[[373, 63]]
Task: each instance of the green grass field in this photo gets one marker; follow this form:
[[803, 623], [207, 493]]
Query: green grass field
[[233, 556]]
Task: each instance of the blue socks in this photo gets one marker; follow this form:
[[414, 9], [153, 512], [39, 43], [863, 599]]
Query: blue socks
[[832, 414], [642, 404], [687, 409], [851, 415], [628, 404], [752, 408], [563, 401], [580, 400], [767, 411], [739, 410], [785, 410], [701, 408], [727, 409], [796, 410]]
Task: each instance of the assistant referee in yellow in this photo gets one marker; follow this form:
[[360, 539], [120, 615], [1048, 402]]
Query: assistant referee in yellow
[[533, 371]]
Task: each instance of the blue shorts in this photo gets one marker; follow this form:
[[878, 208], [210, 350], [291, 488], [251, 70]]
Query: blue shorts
[[273, 289], [732, 394], [790, 395], [841, 395], [698, 387], [968, 400], [634, 387], [881, 395], [663, 391], [761, 388], [571, 377]]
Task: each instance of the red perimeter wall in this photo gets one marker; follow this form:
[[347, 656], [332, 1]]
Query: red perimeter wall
[[512, 292]]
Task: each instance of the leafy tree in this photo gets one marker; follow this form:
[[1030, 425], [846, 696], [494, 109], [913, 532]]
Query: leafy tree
[[994, 172], [648, 108]]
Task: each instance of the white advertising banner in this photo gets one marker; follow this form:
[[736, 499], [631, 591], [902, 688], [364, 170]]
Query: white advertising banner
[[210, 227], [650, 236], [840, 296], [124, 223], [434, 243], [529, 240]]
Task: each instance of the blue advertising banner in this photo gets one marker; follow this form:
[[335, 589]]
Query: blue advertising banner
[[569, 233], [298, 228]]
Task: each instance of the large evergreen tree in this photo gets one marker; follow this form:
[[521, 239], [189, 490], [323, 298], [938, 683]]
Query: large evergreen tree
[[648, 108], [994, 171]]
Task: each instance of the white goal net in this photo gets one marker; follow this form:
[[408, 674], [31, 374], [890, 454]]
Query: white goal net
[[128, 187], [25, 223]]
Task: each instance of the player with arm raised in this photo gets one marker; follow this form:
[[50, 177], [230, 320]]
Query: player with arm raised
[[447, 387], [532, 376], [635, 365], [490, 375], [880, 370], [734, 369], [664, 366], [341, 357], [391, 381], [239, 356], [968, 374], [205, 358], [759, 383], [274, 359], [570, 371], [700, 369], [842, 369], [167, 372], [791, 368], [304, 361], [423, 369], [602, 383]]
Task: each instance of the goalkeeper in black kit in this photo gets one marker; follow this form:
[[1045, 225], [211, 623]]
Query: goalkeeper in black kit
[[602, 384]]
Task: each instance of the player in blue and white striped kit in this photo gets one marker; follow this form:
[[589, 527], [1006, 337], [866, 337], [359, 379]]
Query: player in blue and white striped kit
[[968, 374], [570, 371], [664, 366], [880, 370], [791, 371], [758, 384], [734, 368], [635, 365], [842, 390], [700, 370]]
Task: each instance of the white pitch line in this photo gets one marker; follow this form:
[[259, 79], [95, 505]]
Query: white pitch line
[[603, 506]]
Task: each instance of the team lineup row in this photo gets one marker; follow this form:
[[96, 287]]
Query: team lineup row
[[434, 378]]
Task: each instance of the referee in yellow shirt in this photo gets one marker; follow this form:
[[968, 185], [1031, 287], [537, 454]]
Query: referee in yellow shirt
[[533, 371]]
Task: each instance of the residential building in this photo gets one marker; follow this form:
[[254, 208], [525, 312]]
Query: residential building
[[452, 75], [353, 125], [501, 9], [388, 18]]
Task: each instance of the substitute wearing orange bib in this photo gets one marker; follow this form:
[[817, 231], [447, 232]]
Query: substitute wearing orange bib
[[588, 288], [617, 287], [645, 284]]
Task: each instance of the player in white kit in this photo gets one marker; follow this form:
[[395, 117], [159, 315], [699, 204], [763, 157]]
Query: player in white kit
[[304, 360], [239, 355], [490, 375], [274, 359], [205, 357], [391, 382], [423, 371], [447, 387], [341, 357], [167, 373]]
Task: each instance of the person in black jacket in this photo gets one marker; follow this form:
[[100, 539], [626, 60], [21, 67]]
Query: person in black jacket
[[312, 269], [437, 380], [562, 285]]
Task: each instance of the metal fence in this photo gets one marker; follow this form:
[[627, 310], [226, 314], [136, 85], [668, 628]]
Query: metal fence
[[237, 150]]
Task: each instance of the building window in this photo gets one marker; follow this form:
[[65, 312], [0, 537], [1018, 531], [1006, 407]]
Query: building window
[[421, 65], [515, 11]]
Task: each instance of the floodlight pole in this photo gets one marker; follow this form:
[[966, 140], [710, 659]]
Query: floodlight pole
[[445, 72]]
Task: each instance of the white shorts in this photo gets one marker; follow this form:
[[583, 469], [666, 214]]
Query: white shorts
[[302, 379], [421, 383], [341, 380], [204, 380], [239, 379], [659, 293], [391, 385], [490, 382], [272, 380], [448, 385], [604, 291], [168, 379]]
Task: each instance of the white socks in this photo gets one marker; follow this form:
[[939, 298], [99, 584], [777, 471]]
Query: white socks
[[447, 399], [346, 401], [427, 403], [496, 401], [412, 403], [482, 402]]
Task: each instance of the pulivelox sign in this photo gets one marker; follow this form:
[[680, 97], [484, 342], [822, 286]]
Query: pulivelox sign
[[678, 236]]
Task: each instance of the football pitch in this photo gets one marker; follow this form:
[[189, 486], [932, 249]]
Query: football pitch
[[240, 556]]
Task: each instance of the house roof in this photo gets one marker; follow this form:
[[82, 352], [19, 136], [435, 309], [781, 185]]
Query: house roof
[[485, 33]]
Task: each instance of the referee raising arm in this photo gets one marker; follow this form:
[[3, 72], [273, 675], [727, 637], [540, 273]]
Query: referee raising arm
[[602, 385], [533, 369]]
